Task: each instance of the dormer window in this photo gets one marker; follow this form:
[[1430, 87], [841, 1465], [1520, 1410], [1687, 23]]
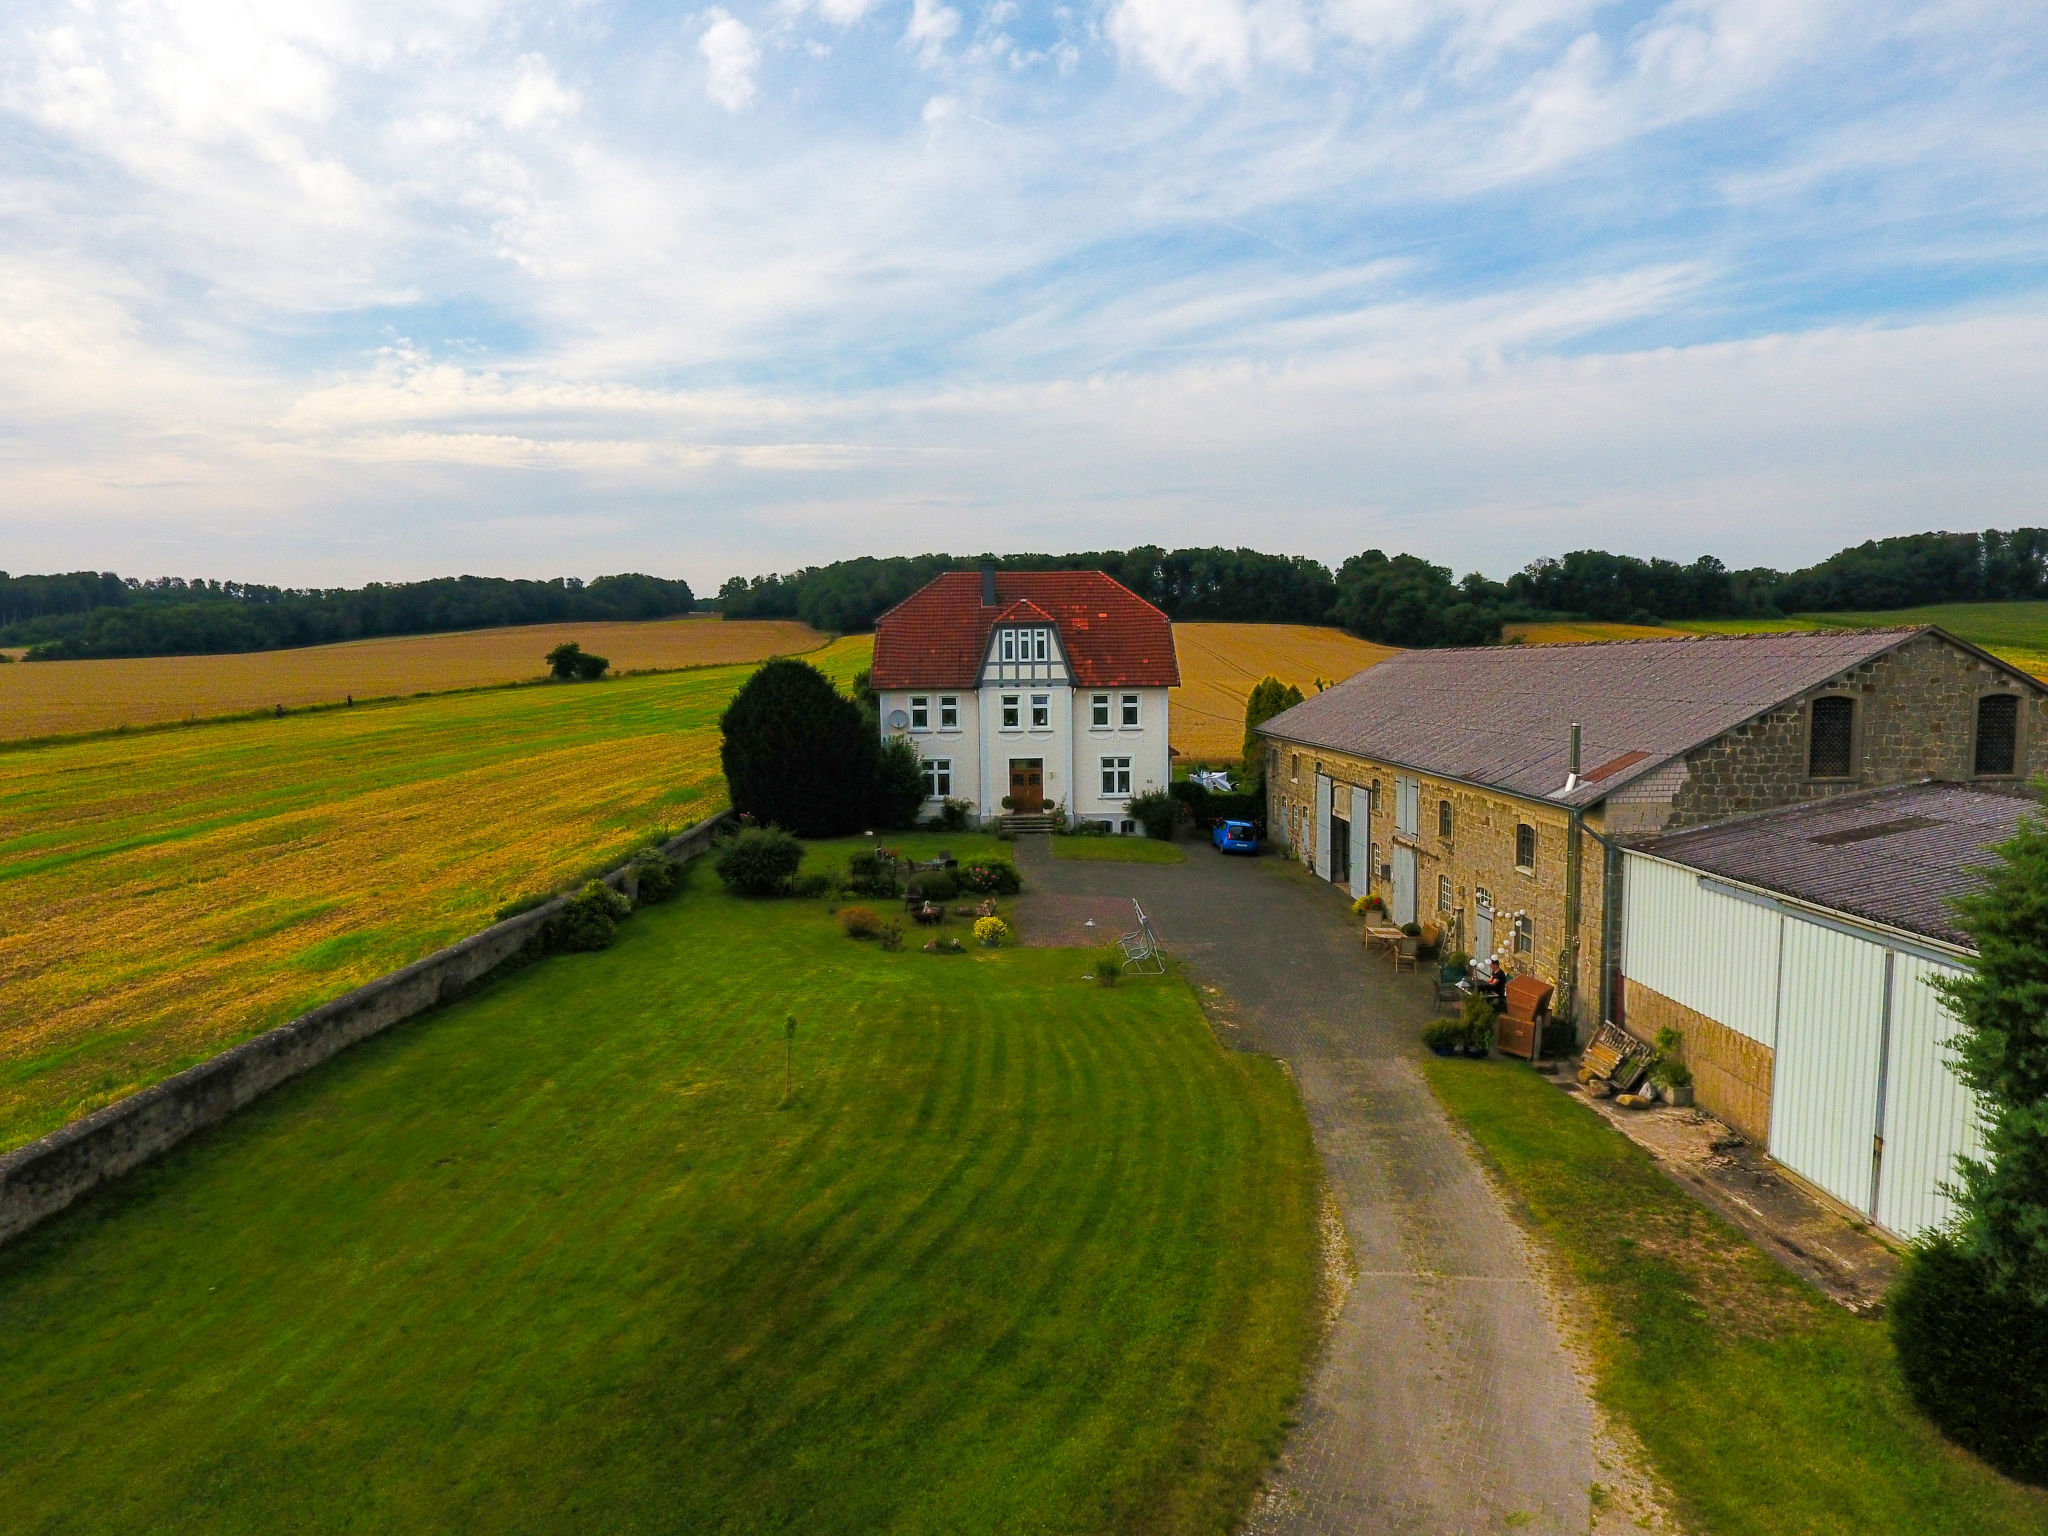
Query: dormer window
[[1040, 641], [1009, 645]]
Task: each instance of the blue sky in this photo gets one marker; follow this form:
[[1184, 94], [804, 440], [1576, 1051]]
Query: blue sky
[[349, 289]]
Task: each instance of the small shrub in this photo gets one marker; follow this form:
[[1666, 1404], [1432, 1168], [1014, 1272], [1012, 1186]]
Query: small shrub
[[1480, 1024], [951, 816], [523, 904], [816, 883], [569, 660], [991, 877], [860, 922], [591, 918], [899, 784], [1157, 811], [1005, 835], [1109, 965], [656, 879], [1413, 930], [761, 861], [990, 931], [1457, 962], [891, 937], [1975, 1360], [1444, 1035], [938, 884], [870, 873]]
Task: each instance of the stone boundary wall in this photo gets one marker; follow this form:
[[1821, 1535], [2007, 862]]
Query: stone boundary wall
[[42, 1178]]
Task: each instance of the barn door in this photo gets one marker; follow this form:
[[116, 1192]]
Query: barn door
[[1361, 842], [1929, 1116], [1482, 927], [1824, 1081], [1404, 884], [1322, 827]]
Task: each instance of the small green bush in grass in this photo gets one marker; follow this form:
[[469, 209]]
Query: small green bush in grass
[[816, 883], [591, 919], [934, 885], [761, 861], [1109, 965], [655, 879], [869, 874], [991, 877], [860, 922]]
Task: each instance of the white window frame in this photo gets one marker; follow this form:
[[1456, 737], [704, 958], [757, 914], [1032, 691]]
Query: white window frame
[[1116, 778], [1443, 893], [1013, 718], [1530, 867], [920, 712], [1098, 716], [949, 712], [1009, 645], [1523, 930], [1132, 718], [1041, 711], [938, 778], [1041, 645]]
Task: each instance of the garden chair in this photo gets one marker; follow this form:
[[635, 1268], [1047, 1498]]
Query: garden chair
[[1141, 949], [1403, 951]]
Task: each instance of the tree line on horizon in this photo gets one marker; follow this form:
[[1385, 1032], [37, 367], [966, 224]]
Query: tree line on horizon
[[1393, 599], [99, 614], [1407, 601]]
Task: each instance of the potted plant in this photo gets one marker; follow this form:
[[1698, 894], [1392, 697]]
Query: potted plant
[[1671, 1075], [1445, 1037], [1479, 1026], [1455, 965]]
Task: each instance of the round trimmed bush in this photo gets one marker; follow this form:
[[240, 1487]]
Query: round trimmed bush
[[591, 919], [799, 753], [860, 922], [936, 885], [1975, 1361], [761, 861], [655, 879]]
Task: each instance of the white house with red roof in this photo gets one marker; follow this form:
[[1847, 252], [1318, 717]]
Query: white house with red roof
[[1045, 688]]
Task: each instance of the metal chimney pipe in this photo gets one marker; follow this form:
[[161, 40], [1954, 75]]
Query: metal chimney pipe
[[1571, 781]]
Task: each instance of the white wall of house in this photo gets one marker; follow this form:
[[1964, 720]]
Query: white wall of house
[[1120, 759], [955, 748], [1864, 1103]]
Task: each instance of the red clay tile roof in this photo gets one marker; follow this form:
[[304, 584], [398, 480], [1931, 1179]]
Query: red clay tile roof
[[938, 636]]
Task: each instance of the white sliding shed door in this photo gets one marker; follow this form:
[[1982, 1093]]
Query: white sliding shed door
[[1404, 883], [1824, 1082], [1322, 832], [1361, 840]]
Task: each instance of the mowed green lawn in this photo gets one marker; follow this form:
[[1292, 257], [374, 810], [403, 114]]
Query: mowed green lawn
[[1117, 850], [1019, 1253], [1765, 1408]]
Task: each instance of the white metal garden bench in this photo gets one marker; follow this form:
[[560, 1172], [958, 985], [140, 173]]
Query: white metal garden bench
[[1141, 949]]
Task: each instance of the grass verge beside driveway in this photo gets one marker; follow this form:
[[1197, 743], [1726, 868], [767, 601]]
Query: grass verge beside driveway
[[1018, 1253], [1118, 850], [1764, 1407]]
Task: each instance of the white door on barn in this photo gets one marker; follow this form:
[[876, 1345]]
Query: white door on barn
[[1482, 927], [1824, 1080], [1361, 844], [1404, 884], [1322, 831], [1929, 1116]]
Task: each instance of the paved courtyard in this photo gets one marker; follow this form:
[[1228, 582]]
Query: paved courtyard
[[1444, 1402]]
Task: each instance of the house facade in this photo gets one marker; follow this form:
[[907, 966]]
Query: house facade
[[1045, 689], [1495, 791]]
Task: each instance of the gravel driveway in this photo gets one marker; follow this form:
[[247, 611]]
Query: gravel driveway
[[1444, 1402]]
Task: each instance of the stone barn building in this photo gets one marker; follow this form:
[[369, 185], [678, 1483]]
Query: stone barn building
[[1494, 790]]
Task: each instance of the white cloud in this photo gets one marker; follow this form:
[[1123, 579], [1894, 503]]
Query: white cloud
[[1192, 43], [842, 13], [932, 26], [734, 57]]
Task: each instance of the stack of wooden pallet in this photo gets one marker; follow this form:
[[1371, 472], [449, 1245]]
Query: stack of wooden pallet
[[1616, 1059]]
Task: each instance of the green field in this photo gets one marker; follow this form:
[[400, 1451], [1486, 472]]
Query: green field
[[1019, 1253], [2014, 632], [1765, 1408], [1117, 850], [170, 892]]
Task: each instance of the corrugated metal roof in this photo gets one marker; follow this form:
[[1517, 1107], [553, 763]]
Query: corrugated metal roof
[[1891, 856], [938, 636], [1502, 715]]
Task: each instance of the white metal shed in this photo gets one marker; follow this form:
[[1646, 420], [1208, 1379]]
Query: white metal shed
[[1773, 928]]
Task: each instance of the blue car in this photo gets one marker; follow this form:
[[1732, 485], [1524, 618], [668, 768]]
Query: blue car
[[1235, 837]]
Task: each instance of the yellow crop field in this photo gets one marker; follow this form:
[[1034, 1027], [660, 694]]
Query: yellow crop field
[[1220, 664], [48, 698], [171, 893]]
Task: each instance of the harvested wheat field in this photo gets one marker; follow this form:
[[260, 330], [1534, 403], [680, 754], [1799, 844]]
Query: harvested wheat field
[[1586, 632], [1220, 664], [51, 698], [171, 893]]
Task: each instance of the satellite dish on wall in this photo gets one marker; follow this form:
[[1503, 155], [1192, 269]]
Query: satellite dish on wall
[[898, 719]]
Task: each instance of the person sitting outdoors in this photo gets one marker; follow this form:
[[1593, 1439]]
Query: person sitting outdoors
[[1495, 983]]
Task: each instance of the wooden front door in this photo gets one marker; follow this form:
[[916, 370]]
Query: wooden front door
[[1027, 785]]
